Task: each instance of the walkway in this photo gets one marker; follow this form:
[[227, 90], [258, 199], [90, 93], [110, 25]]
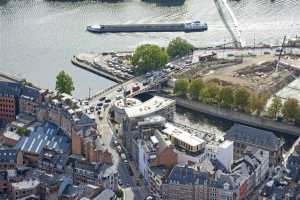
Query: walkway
[[238, 117]]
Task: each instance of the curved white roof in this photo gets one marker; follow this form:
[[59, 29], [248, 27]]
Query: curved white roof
[[153, 105], [130, 102]]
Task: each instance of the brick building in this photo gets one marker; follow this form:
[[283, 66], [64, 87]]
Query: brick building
[[100, 174], [188, 183], [7, 108]]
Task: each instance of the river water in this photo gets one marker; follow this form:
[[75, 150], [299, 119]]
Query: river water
[[39, 37]]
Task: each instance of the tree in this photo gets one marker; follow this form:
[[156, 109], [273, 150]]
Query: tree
[[241, 98], [195, 87], [64, 83], [257, 103], [226, 96], [210, 93], [179, 47], [149, 57], [181, 87], [290, 109], [275, 107], [119, 193], [23, 131]]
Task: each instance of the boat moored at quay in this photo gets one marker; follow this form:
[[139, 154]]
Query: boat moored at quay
[[195, 26]]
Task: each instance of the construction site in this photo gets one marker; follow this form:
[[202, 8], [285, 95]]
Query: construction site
[[257, 72]]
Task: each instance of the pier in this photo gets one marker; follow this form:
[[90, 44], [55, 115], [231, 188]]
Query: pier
[[90, 68]]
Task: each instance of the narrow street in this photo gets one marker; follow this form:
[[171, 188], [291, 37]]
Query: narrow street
[[126, 182]]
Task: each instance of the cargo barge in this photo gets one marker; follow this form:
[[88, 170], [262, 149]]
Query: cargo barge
[[195, 26]]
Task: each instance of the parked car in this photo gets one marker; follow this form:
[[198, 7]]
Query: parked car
[[102, 98], [127, 92], [120, 182], [135, 88], [148, 74], [107, 100], [92, 109], [123, 156], [118, 97], [145, 83], [116, 143], [119, 149], [105, 105]]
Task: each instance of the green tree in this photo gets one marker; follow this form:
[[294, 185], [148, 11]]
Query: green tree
[[241, 98], [181, 87], [149, 57], [210, 93], [195, 87], [226, 96], [275, 107], [23, 131], [64, 83], [179, 47], [119, 193], [257, 103], [290, 109]]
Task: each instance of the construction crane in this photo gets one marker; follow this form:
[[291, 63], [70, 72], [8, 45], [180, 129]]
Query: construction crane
[[280, 53]]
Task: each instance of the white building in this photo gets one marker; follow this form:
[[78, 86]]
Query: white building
[[120, 105], [153, 106], [183, 139], [192, 148]]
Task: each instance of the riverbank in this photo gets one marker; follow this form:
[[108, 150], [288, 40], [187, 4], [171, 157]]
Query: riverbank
[[237, 117]]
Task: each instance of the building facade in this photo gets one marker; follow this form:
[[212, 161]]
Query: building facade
[[245, 136]]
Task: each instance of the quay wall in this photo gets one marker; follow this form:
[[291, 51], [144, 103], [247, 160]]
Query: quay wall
[[89, 68], [238, 117]]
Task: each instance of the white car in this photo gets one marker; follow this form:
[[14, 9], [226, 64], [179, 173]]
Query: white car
[[123, 156]]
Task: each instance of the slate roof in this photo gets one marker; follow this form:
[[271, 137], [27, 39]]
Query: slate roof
[[70, 191], [186, 175], [293, 164], [30, 92], [42, 136], [94, 169], [252, 136], [54, 157], [10, 88], [106, 194], [273, 190], [16, 89], [8, 155]]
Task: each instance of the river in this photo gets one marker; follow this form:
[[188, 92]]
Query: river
[[38, 38]]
